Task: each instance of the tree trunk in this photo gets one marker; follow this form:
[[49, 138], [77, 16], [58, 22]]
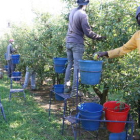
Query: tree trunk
[[103, 98], [102, 95]]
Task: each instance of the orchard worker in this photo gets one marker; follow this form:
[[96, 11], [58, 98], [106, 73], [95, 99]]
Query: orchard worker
[[77, 28], [30, 75], [131, 45], [9, 52]]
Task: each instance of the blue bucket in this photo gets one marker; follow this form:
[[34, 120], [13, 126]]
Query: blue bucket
[[15, 58], [6, 67], [90, 71], [16, 74], [60, 64], [118, 136], [91, 111], [59, 89]]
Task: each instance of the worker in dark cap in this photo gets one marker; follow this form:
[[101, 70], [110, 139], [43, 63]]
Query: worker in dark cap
[[77, 28]]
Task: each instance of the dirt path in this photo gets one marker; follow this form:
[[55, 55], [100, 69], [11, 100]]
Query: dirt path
[[42, 97]]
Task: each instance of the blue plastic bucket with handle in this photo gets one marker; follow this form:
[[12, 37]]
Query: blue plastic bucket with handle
[[60, 64], [90, 71], [59, 89], [15, 58], [16, 74], [90, 111]]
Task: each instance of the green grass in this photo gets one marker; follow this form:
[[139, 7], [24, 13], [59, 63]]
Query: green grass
[[26, 120]]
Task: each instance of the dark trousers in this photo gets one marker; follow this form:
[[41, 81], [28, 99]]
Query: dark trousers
[[11, 68]]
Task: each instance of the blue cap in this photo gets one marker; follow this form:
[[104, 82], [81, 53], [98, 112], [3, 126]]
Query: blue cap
[[82, 2]]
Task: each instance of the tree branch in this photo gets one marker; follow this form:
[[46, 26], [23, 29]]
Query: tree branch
[[97, 91]]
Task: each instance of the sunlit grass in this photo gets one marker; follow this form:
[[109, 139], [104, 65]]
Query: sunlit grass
[[14, 124], [26, 120]]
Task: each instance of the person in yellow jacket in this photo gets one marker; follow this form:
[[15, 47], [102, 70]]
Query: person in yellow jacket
[[131, 45]]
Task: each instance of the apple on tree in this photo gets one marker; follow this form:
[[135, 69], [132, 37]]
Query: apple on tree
[[95, 56]]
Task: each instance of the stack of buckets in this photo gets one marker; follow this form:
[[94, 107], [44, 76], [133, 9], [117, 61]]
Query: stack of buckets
[[16, 60], [88, 112]]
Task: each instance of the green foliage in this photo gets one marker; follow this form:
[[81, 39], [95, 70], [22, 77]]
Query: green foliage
[[121, 106], [39, 44]]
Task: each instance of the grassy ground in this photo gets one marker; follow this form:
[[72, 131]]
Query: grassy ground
[[29, 120], [25, 119]]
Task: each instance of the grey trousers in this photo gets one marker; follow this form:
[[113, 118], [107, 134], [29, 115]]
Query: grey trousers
[[30, 75], [74, 53], [11, 67]]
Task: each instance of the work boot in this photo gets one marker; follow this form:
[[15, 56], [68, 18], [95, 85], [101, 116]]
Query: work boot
[[67, 89]]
